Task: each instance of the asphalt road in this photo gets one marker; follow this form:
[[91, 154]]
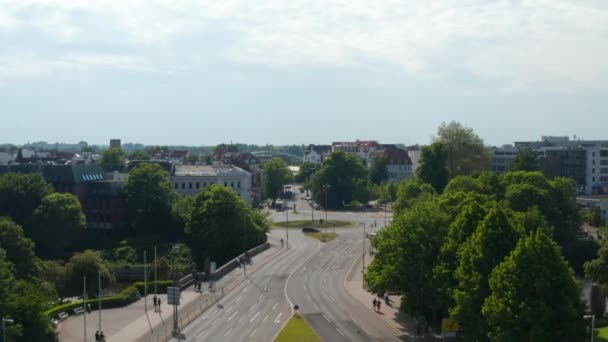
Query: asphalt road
[[256, 309]]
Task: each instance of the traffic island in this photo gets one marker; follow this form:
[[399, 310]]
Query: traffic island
[[321, 236], [314, 224], [297, 330]]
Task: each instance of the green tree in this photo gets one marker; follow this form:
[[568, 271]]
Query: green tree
[[466, 152], [493, 240], [409, 191], [344, 173], [191, 159], [406, 254], [307, 169], [19, 248], [20, 195], [181, 211], [88, 263], [56, 223], [208, 159], [221, 225], [432, 168], [534, 295], [223, 148], [112, 160], [55, 272], [138, 155], [597, 269], [150, 196], [378, 172], [276, 174], [525, 160]]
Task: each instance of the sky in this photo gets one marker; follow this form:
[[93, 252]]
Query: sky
[[298, 72]]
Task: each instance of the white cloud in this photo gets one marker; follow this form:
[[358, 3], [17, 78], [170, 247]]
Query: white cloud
[[554, 45]]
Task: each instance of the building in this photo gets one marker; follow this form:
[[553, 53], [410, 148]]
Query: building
[[115, 143], [398, 164], [5, 158], [502, 158], [565, 162], [250, 163], [190, 179], [600, 201], [316, 154], [364, 150], [102, 200]]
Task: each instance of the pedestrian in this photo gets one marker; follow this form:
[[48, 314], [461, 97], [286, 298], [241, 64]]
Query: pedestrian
[[159, 310], [88, 308], [386, 299], [102, 337], [281, 242], [97, 337], [418, 330], [379, 304], [375, 303], [155, 300]]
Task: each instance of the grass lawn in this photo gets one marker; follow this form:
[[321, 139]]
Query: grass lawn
[[307, 223], [319, 236], [297, 330], [602, 334]]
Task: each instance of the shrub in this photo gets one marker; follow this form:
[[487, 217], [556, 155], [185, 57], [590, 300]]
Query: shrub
[[126, 297], [161, 285]]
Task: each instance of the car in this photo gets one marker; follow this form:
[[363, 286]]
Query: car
[[308, 198], [316, 206]]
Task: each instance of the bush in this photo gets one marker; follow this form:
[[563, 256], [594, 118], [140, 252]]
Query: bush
[[126, 297]]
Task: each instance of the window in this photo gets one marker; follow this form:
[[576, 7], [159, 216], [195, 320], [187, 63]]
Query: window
[[593, 161], [604, 153], [189, 185], [593, 179], [603, 162], [593, 154], [183, 185], [204, 184], [177, 185], [232, 185], [603, 179], [604, 170], [198, 185], [238, 185], [593, 170], [225, 183]]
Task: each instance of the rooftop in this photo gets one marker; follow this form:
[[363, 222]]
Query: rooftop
[[206, 170]]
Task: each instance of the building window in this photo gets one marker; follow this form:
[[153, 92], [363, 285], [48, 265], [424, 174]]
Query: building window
[[189, 185], [604, 162], [593, 179], [225, 183], [593, 161], [604, 153], [593, 170], [204, 184], [232, 185], [177, 185], [238, 185], [198, 185], [183, 185], [604, 170], [593, 154]]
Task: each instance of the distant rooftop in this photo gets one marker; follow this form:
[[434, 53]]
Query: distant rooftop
[[206, 170]]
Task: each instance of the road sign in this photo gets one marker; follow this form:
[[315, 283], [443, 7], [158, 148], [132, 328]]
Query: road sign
[[213, 267], [173, 295]]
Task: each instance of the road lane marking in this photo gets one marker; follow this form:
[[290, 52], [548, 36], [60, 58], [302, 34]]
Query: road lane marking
[[253, 332], [340, 332], [241, 319], [231, 317], [278, 319], [326, 318], [229, 308], [254, 317], [261, 297], [245, 289], [274, 306], [265, 318], [228, 333], [239, 298], [303, 270], [213, 322]]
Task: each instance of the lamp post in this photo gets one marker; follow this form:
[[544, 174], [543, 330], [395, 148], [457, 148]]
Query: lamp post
[[592, 318], [326, 188], [363, 268], [4, 322], [245, 217], [287, 229]]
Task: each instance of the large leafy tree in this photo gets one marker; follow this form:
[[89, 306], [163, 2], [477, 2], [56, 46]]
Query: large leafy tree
[[466, 152], [20, 195], [525, 160], [378, 172], [56, 223], [493, 240], [406, 253], [409, 191], [112, 159], [307, 169], [343, 173], [221, 225], [139, 155], [88, 263], [597, 269], [534, 295], [432, 168], [19, 248], [150, 196], [276, 174]]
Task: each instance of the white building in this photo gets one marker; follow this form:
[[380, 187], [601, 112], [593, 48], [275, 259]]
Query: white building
[[190, 179], [5, 158], [316, 153]]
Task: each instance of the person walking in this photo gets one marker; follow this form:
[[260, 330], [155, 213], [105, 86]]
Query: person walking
[[159, 310], [379, 304], [281, 242], [386, 299], [155, 300], [97, 336], [102, 337], [375, 303]]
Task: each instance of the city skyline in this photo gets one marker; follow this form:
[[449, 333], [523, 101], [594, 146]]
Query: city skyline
[[193, 73]]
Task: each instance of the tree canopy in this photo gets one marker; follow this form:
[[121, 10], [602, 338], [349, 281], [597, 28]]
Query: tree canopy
[[378, 172], [276, 174], [19, 248], [339, 180], [138, 155], [88, 263], [534, 295], [20, 195], [525, 160], [466, 152], [150, 196], [432, 168], [221, 226], [56, 223], [307, 169]]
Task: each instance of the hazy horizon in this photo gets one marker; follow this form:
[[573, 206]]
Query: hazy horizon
[[273, 72]]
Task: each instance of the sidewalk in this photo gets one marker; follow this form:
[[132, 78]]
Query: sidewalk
[[130, 323], [390, 313]]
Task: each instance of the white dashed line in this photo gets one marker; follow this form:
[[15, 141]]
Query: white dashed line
[[254, 317], [228, 332], [231, 317], [340, 332], [278, 319], [265, 318], [274, 306], [253, 332]]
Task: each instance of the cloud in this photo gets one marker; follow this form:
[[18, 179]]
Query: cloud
[[547, 45]]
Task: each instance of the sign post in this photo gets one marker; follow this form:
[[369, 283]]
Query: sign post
[[173, 298]]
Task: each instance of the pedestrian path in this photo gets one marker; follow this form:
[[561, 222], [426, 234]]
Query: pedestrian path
[[134, 323]]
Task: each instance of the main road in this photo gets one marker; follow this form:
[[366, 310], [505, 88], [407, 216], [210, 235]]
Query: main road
[[309, 274]]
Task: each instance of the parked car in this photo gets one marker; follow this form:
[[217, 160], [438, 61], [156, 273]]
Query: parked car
[[316, 206]]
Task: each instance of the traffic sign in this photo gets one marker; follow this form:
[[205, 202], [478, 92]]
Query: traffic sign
[[173, 295]]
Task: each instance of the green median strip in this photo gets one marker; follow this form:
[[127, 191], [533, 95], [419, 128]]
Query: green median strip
[[297, 330], [315, 224], [319, 236]]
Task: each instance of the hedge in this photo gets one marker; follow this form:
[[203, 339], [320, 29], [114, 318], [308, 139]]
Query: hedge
[[161, 285], [126, 297]]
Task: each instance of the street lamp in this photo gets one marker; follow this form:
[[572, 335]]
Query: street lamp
[[4, 322], [363, 267], [592, 318], [326, 188]]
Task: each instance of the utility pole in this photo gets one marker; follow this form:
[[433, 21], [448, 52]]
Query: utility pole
[[84, 305], [4, 321], [287, 229], [363, 268], [155, 273], [99, 298], [145, 285]]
